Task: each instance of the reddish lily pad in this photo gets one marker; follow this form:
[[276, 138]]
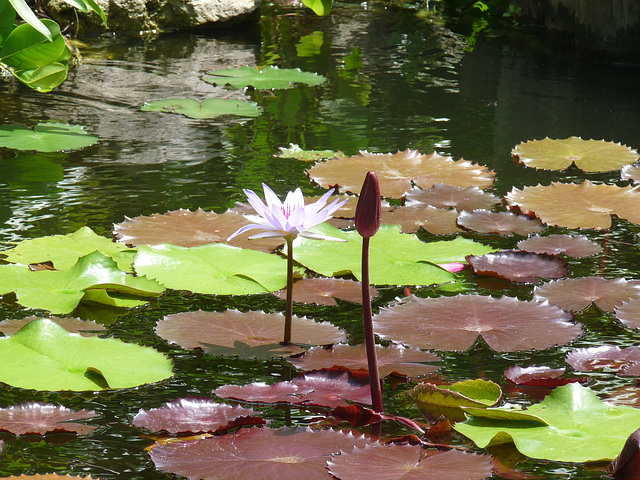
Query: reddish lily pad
[[454, 323], [577, 247], [408, 462], [516, 266], [256, 453], [502, 223], [86, 328], [324, 291], [625, 361], [584, 205], [196, 415], [576, 294], [436, 221], [392, 359], [356, 415], [449, 196], [42, 418], [538, 376], [629, 313], [397, 171], [249, 335]]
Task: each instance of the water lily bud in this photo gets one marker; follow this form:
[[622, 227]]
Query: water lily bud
[[369, 207]]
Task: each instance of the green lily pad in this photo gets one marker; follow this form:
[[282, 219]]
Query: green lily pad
[[395, 258], [46, 137], [209, 108], [570, 425], [216, 268], [60, 291], [65, 250], [262, 78], [44, 356]]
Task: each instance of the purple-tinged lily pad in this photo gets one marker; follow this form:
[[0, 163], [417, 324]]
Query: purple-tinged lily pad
[[454, 323], [502, 223], [41, 418], [629, 313], [577, 247], [324, 291], [436, 221], [538, 376], [448, 196], [516, 266], [625, 361], [576, 294]]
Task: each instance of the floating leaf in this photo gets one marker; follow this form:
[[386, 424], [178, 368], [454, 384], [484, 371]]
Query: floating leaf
[[257, 453], [396, 258], [576, 294], [627, 465], [41, 418], [574, 246], [263, 77], [624, 361], [631, 172], [46, 137], [454, 323], [408, 462], [294, 151], [208, 108], [49, 476], [195, 415], [324, 291], [250, 334], [60, 291], [538, 376], [629, 313], [434, 220], [86, 328], [578, 426], [502, 223], [393, 359], [587, 155], [515, 266], [449, 196], [396, 172], [44, 356], [572, 205]]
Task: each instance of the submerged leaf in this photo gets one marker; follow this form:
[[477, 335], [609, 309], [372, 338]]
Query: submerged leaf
[[208, 108], [263, 77], [41, 418], [576, 294]]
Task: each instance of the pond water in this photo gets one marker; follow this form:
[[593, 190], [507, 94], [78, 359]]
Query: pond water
[[395, 80]]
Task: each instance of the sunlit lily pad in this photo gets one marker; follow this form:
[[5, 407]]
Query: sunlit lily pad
[[538, 376], [245, 334], [392, 359], [85, 328], [629, 313], [449, 196], [324, 291], [454, 323], [502, 223], [208, 108], [516, 266], [44, 356], [587, 155], [195, 415], [577, 246], [263, 77], [625, 361], [408, 462], [575, 426], [576, 294], [397, 171], [257, 453], [437, 221], [41, 418], [631, 172], [46, 137], [584, 205]]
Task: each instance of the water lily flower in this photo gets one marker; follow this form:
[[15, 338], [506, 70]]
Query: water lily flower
[[288, 219]]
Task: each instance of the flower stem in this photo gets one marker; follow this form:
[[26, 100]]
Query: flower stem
[[369, 338], [289, 308]]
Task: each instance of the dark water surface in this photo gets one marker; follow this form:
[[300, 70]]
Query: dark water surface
[[395, 81]]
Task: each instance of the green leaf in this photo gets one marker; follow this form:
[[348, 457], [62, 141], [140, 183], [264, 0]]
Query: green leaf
[[96, 8], [209, 108], [65, 250], [264, 77], [395, 258], [43, 79], [580, 427], [46, 137], [60, 291], [22, 9], [7, 20], [44, 356], [26, 48], [215, 269], [319, 7]]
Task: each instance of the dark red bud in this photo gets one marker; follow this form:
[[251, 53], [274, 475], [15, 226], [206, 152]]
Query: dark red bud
[[368, 208]]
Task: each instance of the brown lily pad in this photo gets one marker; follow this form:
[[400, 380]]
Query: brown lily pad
[[576, 294], [516, 266], [393, 359], [396, 172], [196, 415], [454, 323], [324, 291], [538, 376], [256, 453], [584, 205], [85, 328], [631, 172], [627, 465], [408, 462], [574, 246], [587, 155], [248, 335], [449, 196], [42, 418], [502, 223], [625, 361], [629, 313], [436, 221]]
